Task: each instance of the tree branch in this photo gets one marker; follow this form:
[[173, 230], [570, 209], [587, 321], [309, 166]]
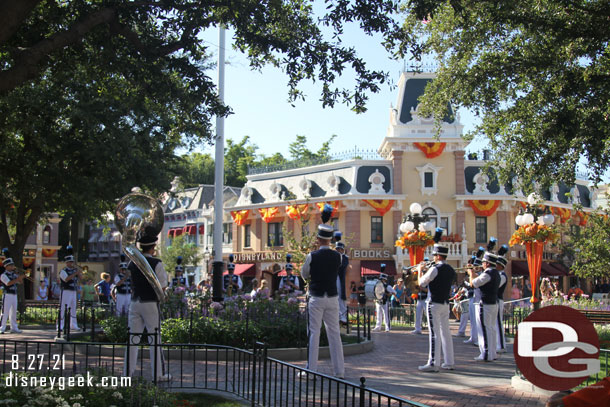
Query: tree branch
[[12, 14]]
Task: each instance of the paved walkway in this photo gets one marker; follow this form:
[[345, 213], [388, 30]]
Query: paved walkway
[[392, 368]]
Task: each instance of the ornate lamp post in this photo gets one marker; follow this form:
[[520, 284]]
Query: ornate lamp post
[[534, 232], [206, 257], [414, 228]]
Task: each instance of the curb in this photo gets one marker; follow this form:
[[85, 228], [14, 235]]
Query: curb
[[521, 384]]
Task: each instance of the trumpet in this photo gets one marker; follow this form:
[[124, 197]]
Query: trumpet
[[408, 269], [24, 273], [462, 270]]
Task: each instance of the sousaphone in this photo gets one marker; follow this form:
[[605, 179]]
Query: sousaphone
[[136, 215]]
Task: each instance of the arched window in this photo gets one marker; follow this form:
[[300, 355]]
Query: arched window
[[432, 215], [46, 235], [439, 221]]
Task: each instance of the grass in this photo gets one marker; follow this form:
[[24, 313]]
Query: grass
[[202, 399]]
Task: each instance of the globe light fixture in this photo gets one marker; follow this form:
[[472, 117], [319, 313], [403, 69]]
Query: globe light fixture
[[415, 221], [415, 208]]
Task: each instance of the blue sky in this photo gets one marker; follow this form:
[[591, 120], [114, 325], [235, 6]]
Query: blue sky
[[261, 110]]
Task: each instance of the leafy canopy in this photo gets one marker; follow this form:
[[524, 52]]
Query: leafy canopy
[[537, 72]]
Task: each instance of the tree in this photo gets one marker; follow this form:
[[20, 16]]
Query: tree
[[195, 169], [536, 72], [238, 157], [299, 151], [179, 247]]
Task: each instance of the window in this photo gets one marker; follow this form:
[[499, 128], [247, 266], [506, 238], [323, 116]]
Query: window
[[481, 229], [428, 180], [445, 223], [46, 235], [335, 223], [246, 235], [227, 233], [376, 229], [432, 215], [274, 235]]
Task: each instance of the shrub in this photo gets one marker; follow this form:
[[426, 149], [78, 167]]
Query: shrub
[[115, 329]]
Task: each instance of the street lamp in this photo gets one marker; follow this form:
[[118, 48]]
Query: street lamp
[[206, 257], [533, 213], [415, 220], [411, 227]]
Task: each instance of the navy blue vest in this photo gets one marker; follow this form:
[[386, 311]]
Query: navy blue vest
[[178, 280], [440, 287], [489, 290], [503, 286], [141, 288], [225, 281], [324, 268], [69, 285], [292, 279], [124, 288], [13, 288]]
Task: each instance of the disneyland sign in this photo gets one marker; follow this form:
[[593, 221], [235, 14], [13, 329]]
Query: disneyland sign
[[249, 257], [378, 254]]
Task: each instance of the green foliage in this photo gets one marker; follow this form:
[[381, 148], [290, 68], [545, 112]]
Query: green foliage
[[587, 246], [179, 247], [535, 72], [114, 328], [299, 151], [195, 169], [238, 156]]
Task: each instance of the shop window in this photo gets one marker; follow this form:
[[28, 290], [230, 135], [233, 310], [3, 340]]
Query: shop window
[[376, 229], [246, 235], [274, 234], [481, 229]]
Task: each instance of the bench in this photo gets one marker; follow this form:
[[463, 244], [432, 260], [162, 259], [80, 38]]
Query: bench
[[598, 317]]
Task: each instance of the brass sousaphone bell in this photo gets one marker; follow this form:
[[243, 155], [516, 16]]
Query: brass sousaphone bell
[[136, 215]]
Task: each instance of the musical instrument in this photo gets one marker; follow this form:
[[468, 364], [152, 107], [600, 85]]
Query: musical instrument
[[374, 290], [462, 270], [426, 265], [25, 273], [137, 214]]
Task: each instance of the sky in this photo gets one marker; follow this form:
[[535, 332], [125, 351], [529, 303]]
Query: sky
[[261, 110]]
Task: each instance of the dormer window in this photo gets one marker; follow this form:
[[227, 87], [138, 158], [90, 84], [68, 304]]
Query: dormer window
[[429, 178]]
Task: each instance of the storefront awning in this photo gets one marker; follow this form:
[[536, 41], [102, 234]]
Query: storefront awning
[[372, 267], [201, 229], [173, 232], [244, 270], [549, 269], [190, 230]]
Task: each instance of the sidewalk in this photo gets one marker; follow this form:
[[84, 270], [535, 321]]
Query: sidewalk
[[392, 368]]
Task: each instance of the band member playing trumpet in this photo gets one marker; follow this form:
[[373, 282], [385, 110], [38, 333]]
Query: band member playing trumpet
[[438, 279], [144, 308], [68, 277], [289, 283], [122, 287], [422, 295], [10, 279], [474, 297]]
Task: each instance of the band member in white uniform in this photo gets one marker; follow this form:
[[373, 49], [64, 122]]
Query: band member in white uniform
[[382, 305], [179, 279], [10, 279], [343, 270], [420, 310], [321, 267], [474, 297], [289, 283], [69, 285], [231, 284], [122, 287], [438, 279], [461, 303], [144, 310], [487, 309], [500, 265]]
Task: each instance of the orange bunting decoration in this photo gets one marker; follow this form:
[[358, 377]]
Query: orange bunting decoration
[[48, 252], [564, 214], [584, 217], [484, 207], [268, 213], [28, 261], [431, 150], [239, 217], [382, 206], [296, 212], [334, 204]]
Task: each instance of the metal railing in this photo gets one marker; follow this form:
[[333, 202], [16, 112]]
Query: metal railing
[[250, 374]]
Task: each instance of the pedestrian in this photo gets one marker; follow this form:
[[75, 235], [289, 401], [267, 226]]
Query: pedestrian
[[10, 279], [43, 291], [144, 311], [102, 289], [321, 267], [353, 297], [382, 305], [397, 299], [438, 279]]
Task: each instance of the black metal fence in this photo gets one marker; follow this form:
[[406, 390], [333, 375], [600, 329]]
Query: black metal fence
[[250, 374]]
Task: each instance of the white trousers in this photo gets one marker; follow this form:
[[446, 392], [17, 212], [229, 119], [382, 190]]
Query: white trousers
[[486, 319], [464, 318], [342, 306], [474, 328], [9, 308], [68, 298], [144, 315], [419, 313], [325, 309], [122, 304], [383, 314], [439, 334], [500, 326]]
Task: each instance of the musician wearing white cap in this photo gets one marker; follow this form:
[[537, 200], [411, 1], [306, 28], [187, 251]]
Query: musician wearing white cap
[[231, 284], [122, 288], [144, 310], [321, 267], [438, 279], [69, 276], [382, 305], [289, 283], [10, 279], [474, 297], [487, 309], [500, 265]]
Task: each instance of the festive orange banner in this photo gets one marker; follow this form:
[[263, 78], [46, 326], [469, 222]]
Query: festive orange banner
[[431, 150], [564, 214], [297, 211], [239, 217], [534, 264], [484, 207], [268, 213], [416, 254], [583, 218], [48, 252], [28, 261], [334, 204], [382, 206]]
